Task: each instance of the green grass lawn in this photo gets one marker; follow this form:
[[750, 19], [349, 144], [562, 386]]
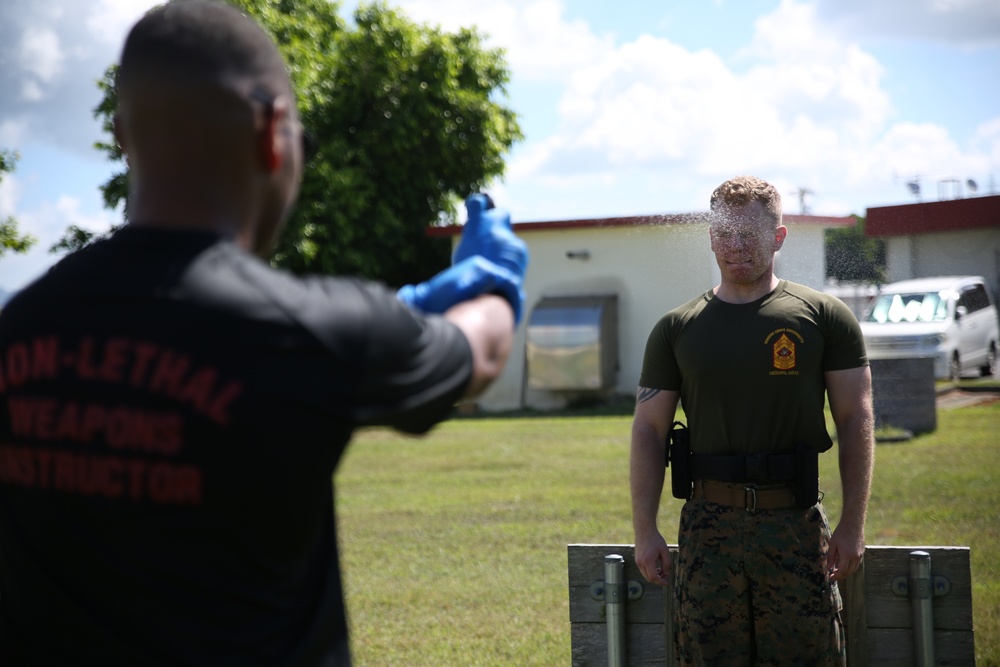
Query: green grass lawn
[[454, 545]]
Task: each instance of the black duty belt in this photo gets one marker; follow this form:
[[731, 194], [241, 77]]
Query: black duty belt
[[761, 467]]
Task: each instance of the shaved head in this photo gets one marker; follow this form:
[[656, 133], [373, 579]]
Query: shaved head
[[201, 43], [206, 116]]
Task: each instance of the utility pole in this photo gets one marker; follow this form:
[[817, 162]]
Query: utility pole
[[802, 194]]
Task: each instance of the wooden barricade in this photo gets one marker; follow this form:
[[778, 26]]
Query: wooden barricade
[[877, 614]]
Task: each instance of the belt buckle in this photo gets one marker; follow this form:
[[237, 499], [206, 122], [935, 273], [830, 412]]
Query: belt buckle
[[750, 499]]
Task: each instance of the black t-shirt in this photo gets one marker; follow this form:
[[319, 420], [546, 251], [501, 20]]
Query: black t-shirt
[[752, 376], [171, 413]]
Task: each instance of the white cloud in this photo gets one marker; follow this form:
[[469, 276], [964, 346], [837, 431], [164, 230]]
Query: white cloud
[[31, 91], [41, 54], [110, 20], [798, 106], [69, 208], [530, 158], [9, 192], [805, 100], [987, 141], [48, 222], [969, 23], [926, 152], [52, 53], [11, 133], [41, 59], [541, 44]]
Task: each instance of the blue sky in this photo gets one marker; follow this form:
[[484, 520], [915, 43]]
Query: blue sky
[[633, 107]]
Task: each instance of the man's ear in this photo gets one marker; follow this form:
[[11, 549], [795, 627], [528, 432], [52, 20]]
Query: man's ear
[[271, 141], [779, 237]]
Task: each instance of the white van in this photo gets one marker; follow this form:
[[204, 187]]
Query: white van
[[951, 319]]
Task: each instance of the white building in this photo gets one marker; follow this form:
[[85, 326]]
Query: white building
[[955, 237], [648, 265]]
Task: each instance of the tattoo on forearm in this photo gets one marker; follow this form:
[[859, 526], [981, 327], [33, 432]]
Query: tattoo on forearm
[[643, 394]]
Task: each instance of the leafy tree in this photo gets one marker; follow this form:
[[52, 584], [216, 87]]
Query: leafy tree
[[116, 189], [75, 238], [852, 256], [405, 120], [10, 239]]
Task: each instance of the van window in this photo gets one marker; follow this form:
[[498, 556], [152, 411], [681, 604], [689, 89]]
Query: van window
[[915, 307], [974, 298]]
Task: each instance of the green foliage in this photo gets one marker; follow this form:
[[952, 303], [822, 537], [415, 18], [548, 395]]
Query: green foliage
[[116, 189], [852, 256], [10, 239], [75, 238], [406, 124]]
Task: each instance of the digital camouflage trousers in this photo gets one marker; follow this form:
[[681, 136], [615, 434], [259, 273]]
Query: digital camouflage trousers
[[753, 588]]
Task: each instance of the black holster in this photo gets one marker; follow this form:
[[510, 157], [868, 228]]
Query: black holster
[[806, 477], [679, 461]]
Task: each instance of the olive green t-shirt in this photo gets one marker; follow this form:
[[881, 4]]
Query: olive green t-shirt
[[751, 375]]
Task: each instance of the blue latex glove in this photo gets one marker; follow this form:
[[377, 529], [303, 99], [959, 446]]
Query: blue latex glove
[[489, 258], [488, 232], [463, 281]]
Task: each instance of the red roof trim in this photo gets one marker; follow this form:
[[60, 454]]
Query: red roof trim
[[939, 216], [822, 220], [642, 221]]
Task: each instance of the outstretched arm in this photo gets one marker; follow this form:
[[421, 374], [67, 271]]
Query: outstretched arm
[[850, 393], [482, 292], [654, 412]]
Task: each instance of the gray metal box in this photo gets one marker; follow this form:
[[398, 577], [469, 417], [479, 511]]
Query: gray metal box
[[573, 343]]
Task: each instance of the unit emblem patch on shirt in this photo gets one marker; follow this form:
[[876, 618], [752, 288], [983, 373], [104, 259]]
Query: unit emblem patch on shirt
[[784, 353], [782, 344]]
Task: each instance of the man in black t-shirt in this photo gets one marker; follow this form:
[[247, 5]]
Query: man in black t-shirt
[[172, 409]]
